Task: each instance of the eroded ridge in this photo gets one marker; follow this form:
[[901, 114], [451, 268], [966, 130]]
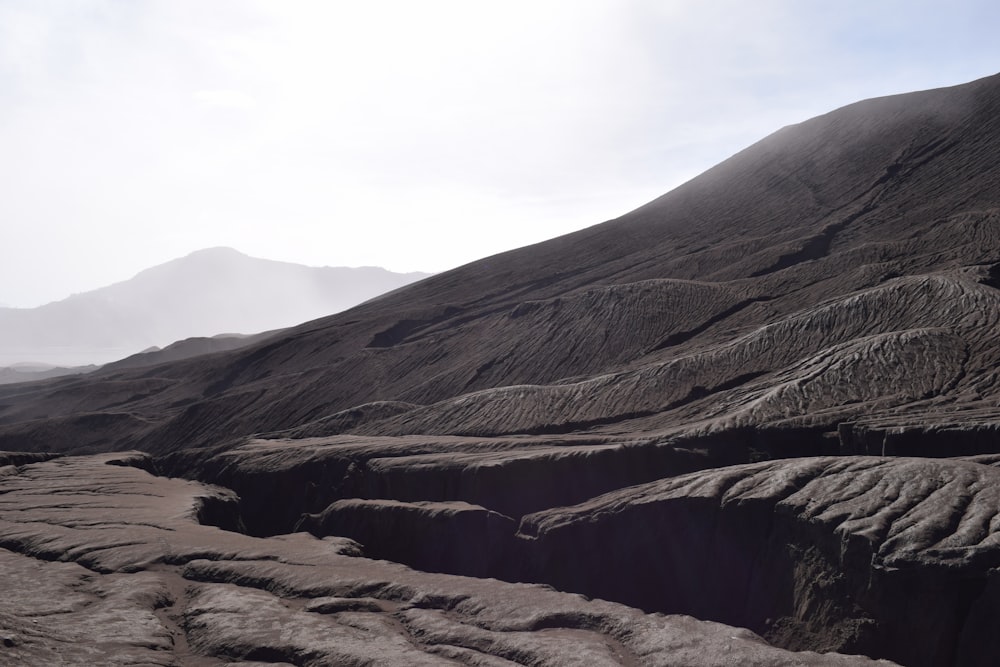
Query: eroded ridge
[[128, 576], [874, 351], [891, 557]]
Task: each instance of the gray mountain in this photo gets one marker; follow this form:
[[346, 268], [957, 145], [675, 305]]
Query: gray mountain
[[208, 292], [28, 372]]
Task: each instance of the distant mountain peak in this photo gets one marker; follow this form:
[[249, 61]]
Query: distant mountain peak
[[205, 293], [216, 251]]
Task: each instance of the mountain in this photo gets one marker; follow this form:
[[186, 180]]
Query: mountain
[[182, 349], [206, 293], [185, 349], [768, 399], [28, 372]]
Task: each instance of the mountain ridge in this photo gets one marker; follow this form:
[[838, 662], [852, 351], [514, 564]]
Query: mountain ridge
[[767, 398], [769, 275], [202, 294]]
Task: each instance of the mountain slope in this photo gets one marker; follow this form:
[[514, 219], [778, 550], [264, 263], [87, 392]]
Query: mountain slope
[[885, 201], [597, 412], [208, 292]]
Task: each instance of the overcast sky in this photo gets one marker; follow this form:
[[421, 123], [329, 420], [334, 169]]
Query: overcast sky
[[413, 135]]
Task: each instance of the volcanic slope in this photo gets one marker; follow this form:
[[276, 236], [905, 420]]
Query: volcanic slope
[[830, 292], [872, 232]]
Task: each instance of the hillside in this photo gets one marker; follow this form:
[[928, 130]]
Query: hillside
[[28, 372], [869, 233], [768, 398]]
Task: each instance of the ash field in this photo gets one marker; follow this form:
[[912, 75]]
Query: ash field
[[753, 422]]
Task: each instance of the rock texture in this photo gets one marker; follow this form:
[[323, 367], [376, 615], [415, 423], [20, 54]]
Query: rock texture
[[511, 476], [843, 553], [107, 564], [887, 556]]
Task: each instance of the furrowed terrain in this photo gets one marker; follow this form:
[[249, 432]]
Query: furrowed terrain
[[768, 399]]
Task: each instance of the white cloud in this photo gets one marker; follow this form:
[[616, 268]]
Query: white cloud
[[227, 99]]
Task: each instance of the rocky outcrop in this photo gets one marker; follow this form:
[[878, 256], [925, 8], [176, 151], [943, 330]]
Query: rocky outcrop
[[279, 480], [847, 554], [889, 557], [23, 458], [106, 564], [453, 537]]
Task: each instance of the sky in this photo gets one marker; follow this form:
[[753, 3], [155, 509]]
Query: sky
[[402, 134]]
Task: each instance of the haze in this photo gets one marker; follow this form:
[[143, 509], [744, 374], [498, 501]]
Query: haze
[[412, 136]]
